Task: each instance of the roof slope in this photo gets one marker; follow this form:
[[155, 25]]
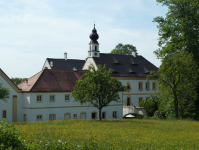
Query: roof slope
[[53, 80], [126, 65], [66, 64]]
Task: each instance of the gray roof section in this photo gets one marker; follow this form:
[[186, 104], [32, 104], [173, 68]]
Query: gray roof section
[[126, 65], [66, 64]]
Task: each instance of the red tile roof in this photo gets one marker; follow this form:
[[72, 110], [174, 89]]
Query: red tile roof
[[52, 80]]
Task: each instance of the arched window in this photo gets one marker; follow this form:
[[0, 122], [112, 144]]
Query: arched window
[[90, 48], [95, 48], [128, 101]]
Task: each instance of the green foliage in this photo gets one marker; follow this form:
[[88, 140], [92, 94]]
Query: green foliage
[[151, 105], [177, 80], [4, 92], [9, 137], [124, 49], [97, 88], [18, 80]]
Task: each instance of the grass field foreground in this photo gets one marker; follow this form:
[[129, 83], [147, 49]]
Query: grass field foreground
[[115, 134]]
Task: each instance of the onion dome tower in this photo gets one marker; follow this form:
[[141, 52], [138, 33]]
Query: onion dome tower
[[94, 45]]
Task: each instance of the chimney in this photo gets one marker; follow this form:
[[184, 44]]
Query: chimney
[[51, 63], [75, 69], [65, 56], [15, 82], [134, 53]]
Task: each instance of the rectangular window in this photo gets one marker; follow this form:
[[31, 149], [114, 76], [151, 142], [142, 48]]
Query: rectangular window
[[74, 116], [67, 116], [140, 86], [52, 117], [39, 98], [24, 118], [39, 118], [52, 98], [4, 114], [147, 86], [67, 97], [114, 114], [93, 115], [154, 86], [140, 99], [103, 115]]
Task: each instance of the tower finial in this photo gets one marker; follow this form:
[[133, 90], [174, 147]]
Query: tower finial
[[94, 24]]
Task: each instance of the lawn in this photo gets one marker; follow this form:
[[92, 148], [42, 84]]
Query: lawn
[[115, 134]]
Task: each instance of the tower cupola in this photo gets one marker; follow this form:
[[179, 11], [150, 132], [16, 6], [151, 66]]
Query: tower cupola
[[94, 45]]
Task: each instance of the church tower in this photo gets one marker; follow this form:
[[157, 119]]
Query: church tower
[[94, 45]]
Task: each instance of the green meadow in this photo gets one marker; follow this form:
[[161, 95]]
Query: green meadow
[[112, 134]]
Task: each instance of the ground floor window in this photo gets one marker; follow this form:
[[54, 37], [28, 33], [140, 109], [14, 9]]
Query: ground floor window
[[94, 115], [24, 118], [103, 115], [4, 114], [39, 118], [83, 115], [114, 114], [74, 116], [52, 117], [140, 99], [67, 116]]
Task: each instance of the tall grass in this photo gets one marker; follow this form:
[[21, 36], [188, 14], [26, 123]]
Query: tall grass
[[115, 134]]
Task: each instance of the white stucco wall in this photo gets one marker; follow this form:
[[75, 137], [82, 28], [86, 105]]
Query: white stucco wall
[[8, 105], [88, 62], [46, 64]]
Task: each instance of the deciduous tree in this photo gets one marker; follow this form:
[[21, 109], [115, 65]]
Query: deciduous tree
[[97, 88], [124, 49], [4, 92]]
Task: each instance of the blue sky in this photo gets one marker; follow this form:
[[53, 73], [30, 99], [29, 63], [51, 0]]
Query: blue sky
[[33, 30]]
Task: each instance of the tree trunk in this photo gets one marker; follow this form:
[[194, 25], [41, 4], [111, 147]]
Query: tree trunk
[[100, 114], [176, 105]]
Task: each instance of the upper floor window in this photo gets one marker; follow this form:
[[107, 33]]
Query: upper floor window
[[140, 86], [52, 98], [39, 98], [128, 86], [153, 85], [147, 86], [140, 99], [67, 97]]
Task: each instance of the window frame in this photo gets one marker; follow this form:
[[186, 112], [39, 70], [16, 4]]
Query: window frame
[[2, 114], [128, 83], [69, 116], [155, 85], [95, 114], [113, 116], [83, 113], [139, 100], [54, 98], [65, 98], [52, 114], [24, 118], [139, 86], [41, 118], [41, 99], [148, 86], [74, 117]]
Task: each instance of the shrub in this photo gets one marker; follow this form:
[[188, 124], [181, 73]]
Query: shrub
[[9, 136]]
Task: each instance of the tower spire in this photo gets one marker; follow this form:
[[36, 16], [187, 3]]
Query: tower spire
[[93, 45]]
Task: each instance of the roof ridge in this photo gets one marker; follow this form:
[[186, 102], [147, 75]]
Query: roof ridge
[[64, 59]]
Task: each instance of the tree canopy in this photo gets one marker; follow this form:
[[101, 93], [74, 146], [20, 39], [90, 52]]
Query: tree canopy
[[97, 88], [4, 92], [18, 80], [124, 49]]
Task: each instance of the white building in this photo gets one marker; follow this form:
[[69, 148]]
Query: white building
[[47, 95]]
